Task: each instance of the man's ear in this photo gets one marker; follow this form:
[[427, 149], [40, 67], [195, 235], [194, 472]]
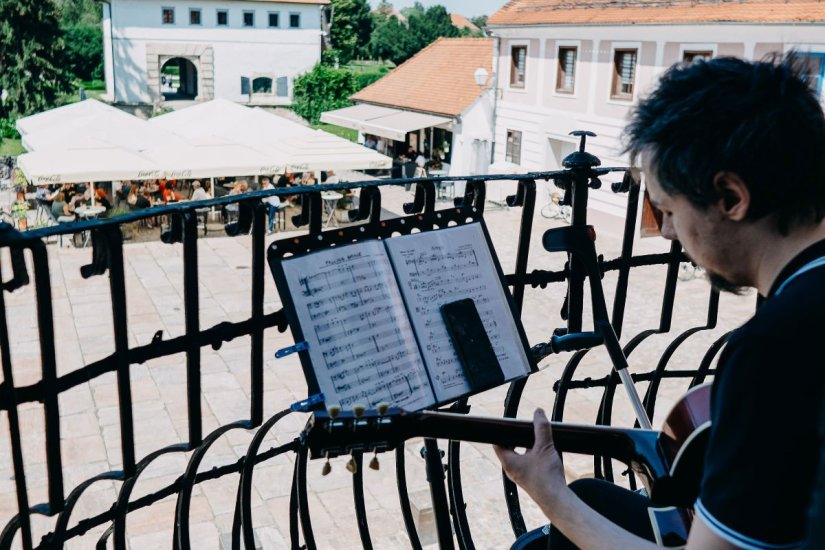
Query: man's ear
[[734, 196]]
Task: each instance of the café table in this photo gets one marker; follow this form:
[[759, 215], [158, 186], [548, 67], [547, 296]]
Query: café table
[[330, 199], [88, 213]]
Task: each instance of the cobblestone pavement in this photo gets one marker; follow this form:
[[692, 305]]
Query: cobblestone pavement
[[90, 444]]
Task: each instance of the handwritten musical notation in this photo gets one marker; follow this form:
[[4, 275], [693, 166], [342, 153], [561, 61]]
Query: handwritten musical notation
[[439, 267], [360, 340]]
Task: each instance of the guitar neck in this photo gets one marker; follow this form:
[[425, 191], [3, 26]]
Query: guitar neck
[[635, 447]]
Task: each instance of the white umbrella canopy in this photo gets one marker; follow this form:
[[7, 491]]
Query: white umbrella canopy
[[85, 165], [67, 114], [304, 148], [111, 127]]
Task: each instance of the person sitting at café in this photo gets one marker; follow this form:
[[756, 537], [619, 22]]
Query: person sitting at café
[[62, 211], [198, 192], [102, 199], [144, 200]]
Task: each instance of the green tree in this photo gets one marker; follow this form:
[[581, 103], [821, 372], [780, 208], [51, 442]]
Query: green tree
[[84, 51], [322, 89], [86, 13], [398, 41], [479, 21], [80, 21], [390, 40], [426, 27], [351, 28], [32, 57]]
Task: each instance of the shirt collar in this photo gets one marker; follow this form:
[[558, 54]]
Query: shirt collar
[[816, 250]]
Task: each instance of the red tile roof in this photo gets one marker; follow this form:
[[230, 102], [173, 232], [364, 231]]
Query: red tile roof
[[461, 22], [439, 79], [583, 12]]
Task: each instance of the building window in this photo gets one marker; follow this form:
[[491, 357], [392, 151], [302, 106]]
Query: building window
[[691, 56], [282, 87], [248, 18], [624, 73], [513, 151], [274, 19], [518, 66], [167, 16], [245, 89], [223, 18], [813, 70], [194, 16], [294, 20], [566, 79], [262, 85]]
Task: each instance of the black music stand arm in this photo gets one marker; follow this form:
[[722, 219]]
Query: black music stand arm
[[438, 494]]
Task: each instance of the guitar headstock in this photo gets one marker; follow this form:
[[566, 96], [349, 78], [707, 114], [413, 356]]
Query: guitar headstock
[[335, 432]]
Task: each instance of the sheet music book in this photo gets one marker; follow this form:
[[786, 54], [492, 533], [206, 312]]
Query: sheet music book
[[370, 314]]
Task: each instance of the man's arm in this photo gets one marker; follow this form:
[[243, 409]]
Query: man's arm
[[540, 473]]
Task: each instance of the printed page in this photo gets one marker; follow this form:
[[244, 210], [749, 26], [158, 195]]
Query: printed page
[[361, 344], [437, 267]]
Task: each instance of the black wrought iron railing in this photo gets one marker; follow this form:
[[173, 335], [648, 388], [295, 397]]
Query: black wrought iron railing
[[26, 261]]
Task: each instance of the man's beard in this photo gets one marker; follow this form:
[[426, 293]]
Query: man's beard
[[723, 285]]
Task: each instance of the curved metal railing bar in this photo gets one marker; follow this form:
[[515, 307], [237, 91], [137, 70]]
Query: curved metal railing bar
[[244, 500]]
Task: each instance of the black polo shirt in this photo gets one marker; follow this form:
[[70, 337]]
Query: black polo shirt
[[765, 406]]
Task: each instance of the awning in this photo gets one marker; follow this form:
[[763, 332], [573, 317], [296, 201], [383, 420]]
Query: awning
[[382, 121]]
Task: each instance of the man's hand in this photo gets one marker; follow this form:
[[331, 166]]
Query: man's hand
[[539, 471]]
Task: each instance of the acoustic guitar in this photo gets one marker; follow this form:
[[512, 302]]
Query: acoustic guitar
[[669, 463]]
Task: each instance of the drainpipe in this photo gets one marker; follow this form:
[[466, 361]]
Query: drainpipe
[[112, 42], [496, 47]]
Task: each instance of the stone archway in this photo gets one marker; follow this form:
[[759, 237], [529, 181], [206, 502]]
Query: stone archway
[[178, 79], [202, 70]]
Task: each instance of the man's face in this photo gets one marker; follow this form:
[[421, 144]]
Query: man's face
[[707, 240]]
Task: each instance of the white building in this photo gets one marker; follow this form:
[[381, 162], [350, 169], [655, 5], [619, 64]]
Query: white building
[[246, 51], [582, 65]]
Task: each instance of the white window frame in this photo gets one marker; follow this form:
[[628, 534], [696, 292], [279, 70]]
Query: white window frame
[[200, 17], [687, 47], [270, 14], [520, 145], [299, 19], [174, 18], [255, 76], [623, 46], [555, 72], [509, 70], [243, 19], [219, 11]]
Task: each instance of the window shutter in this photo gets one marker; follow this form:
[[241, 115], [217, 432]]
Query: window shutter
[[281, 87], [244, 85], [569, 68]]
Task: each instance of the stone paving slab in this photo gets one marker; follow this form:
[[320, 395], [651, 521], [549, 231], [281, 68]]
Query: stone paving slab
[[90, 429]]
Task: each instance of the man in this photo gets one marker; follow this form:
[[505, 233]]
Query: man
[[734, 157], [273, 204], [198, 192]]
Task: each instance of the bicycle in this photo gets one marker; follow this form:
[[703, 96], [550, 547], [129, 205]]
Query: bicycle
[[555, 210]]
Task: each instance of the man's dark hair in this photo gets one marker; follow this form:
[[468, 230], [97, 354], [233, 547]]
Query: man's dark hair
[[759, 120]]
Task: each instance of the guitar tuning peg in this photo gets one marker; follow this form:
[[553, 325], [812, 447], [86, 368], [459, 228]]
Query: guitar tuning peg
[[382, 408], [374, 463], [352, 466], [326, 469], [358, 410], [333, 411]]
